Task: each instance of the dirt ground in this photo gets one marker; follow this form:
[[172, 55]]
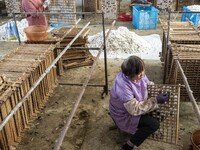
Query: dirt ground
[[91, 126]]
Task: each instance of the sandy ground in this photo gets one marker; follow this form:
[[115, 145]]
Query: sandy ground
[[91, 126]]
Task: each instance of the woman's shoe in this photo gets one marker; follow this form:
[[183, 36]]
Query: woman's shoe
[[120, 148]]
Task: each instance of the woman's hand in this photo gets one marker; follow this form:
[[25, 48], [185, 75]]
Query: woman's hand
[[151, 83], [162, 98], [46, 3]]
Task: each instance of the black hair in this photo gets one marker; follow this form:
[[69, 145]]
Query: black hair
[[132, 66]]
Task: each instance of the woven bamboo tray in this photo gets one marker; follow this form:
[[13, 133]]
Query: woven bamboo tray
[[73, 58], [189, 58], [180, 33], [167, 114]]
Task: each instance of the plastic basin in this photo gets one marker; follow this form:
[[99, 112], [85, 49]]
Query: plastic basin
[[36, 33]]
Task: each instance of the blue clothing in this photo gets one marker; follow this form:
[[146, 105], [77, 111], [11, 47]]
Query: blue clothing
[[124, 90]]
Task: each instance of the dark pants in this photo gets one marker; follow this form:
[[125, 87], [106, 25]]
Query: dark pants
[[147, 125]]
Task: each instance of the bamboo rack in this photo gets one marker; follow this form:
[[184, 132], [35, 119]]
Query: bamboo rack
[[23, 67], [189, 91], [175, 32], [180, 33], [189, 58]]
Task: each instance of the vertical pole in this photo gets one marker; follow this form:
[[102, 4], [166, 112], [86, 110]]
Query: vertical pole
[[166, 59], [14, 18], [119, 7], [105, 57], [177, 4], [83, 6], [178, 112]]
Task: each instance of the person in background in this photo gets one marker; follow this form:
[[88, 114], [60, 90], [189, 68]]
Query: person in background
[[140, 1], [35, 6], [129, 103]]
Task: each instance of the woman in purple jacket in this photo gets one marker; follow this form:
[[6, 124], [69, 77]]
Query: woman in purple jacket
[[129, 102], [34, 6]]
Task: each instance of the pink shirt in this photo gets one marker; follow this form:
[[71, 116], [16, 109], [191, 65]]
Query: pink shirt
[[34, 6]]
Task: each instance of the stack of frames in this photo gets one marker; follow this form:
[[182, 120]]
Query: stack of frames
[[184, 40], [22, 68], [189, 58]]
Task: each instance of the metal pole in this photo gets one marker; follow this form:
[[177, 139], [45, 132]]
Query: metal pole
[[87, 13], [178, 112], [84, 48], [166, 60], [177, 4], [83, 8], [60, 139], [57, 13], [80, 84], [14, 18], [187, 12], [119, 7], [25, 98], [105, 57], [189, 91]]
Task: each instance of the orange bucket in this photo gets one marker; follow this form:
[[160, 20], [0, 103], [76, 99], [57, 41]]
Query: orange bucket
[[36, 33], [195, 140]]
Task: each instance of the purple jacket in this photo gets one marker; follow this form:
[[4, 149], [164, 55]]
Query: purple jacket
[[124, 90]]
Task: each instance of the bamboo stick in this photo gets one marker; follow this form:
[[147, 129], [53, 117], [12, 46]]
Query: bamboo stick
[[8, 135], [66, 127], [178, 112], [3, 136], [60, 70], [18, 118]]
